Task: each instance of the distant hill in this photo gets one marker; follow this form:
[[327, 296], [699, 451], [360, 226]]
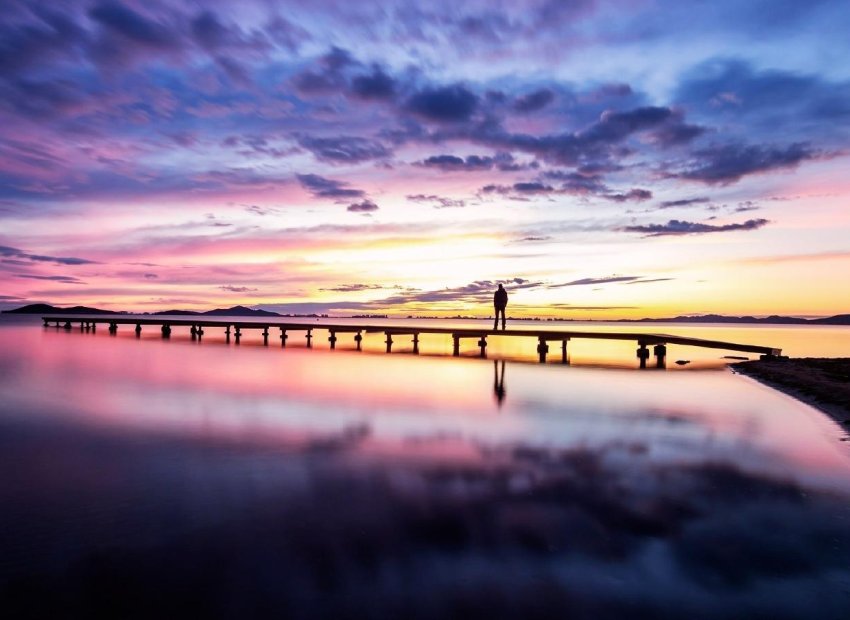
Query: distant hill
[[838, 319], [177, 312], [48, 309], [238, 311], [719, 318]]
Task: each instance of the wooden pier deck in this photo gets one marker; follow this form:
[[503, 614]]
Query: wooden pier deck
[[235, 327]]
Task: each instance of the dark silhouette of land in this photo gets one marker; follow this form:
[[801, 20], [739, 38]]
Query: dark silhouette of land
[[823, 383]]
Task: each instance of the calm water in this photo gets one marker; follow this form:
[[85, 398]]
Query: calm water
[[151, 478]]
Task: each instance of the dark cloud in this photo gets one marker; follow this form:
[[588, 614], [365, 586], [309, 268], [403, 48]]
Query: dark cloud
[[452, 163], [133, 26], [725, 164], [800, 104], [51, 37], [678, 227], [62, 279], [353, 288], [526, 187], [374, 85], [594, 281], [534, 101], [649, 281], [446, 104], [328, 77], [344, 149], [438, 202], [633, 195], [322, 187], [15, 253], [683, 202], [365, 206], [237, 289]]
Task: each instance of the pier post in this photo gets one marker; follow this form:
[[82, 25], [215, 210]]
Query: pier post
[[237, 333], [660, 351], [46, 324], [67, 324], [564, 357], [166, 330], [309, 338], [138, 330], [416, 343], [200, 331], [113, 328], [456, 348], [193, 332], [283, 337], [642, 353], [266, 336], [358, 338], [227, 334], [483, 345], [389, 342], [542, 349], [93, 326], [82, 326], [332, 339]]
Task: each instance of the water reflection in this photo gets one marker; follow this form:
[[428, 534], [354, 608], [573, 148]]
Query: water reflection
[[499, 381], [171, 478]]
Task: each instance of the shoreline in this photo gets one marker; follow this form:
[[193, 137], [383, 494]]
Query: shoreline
[[822, 383]]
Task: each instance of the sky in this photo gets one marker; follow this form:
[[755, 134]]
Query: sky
[[602, 159]]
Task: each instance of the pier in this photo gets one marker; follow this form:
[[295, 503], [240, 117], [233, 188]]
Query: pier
[[235, 328]]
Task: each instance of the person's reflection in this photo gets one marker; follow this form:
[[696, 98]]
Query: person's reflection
[[499, 381]]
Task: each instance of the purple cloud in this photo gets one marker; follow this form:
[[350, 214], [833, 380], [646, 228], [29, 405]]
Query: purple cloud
[[679, 227], [322, 187]]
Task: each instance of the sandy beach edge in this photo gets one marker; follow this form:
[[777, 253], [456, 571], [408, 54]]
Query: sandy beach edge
[[823, 383]]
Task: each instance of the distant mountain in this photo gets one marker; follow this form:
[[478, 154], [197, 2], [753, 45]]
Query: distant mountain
[[238, 311], [48, 309], [838, 319], [719, 318], [177, 312]]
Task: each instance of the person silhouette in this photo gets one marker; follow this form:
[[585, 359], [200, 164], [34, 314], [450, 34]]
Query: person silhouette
[[500, 302]]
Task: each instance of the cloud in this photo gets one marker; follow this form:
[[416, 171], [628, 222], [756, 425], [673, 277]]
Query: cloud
[[237, 289], [438, 202], [62, 279], [15, 253], [344, 149], [322, 187], [353, 288], [649, 281], [678, 227], [683, 202], [446, 104], [328, 77], [375, 85], [725, 164], [366, 206], [594, 281], [451, 163], [534, 101], [633, 195]]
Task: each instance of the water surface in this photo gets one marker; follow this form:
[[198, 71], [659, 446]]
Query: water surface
[[146, 477]]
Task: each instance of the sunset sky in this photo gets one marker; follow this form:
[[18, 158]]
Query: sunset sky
[[602, 158]]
